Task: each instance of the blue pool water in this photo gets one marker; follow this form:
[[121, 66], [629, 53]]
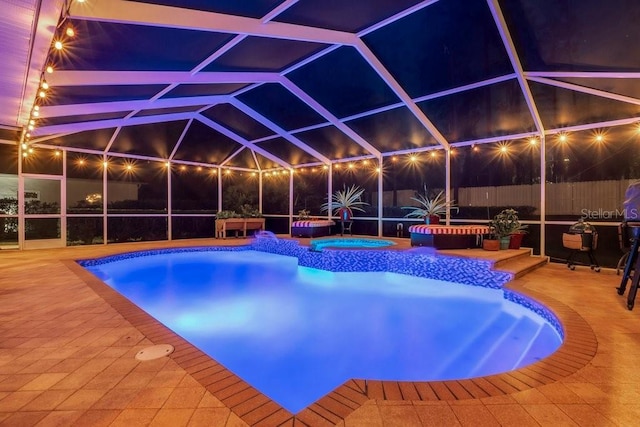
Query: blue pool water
[[296, 333], [318, 245]]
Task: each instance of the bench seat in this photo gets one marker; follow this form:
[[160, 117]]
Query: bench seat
[[447, 236], [311, 228]]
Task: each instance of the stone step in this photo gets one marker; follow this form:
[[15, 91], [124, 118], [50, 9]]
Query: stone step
[[522, 265]]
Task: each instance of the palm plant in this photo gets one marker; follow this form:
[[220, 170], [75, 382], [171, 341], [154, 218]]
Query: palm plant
[[348, 198], [429, 206]]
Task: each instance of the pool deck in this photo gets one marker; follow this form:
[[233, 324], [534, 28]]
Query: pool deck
[[67, 347]]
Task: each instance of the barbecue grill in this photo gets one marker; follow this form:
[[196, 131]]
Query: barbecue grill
[[581, 238]]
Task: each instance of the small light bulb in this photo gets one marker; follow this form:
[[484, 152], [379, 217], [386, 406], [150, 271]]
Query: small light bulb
[[30, 127], [503, 148], [49, 69], [58, 45], [563, 138], [336, 166], [35, 113], [24, 146], [413, 158], [351, 166], [44, 85], [70, 32], [199, 168], [433, 154], [105, 164], [129, 167], [24, 154], [57, 153], [42, 94], [168, 164], [183, 167], [599, 138], [27, 135], [81, 162], [32, 122], [30, 150], [36, 108], [325, 167], [378, 170]]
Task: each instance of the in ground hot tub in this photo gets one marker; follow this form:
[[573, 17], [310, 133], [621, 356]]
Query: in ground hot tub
[[318, 245]]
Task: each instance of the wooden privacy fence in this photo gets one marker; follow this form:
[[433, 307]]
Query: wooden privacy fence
[[598, 198]]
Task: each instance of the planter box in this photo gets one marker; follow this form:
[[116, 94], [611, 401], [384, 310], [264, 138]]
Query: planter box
[[238, 225]]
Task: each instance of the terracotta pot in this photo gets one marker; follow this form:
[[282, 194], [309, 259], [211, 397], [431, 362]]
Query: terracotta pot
[[516, 240], [490, 245]]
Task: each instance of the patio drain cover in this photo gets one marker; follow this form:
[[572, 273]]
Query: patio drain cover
[[154, 352]]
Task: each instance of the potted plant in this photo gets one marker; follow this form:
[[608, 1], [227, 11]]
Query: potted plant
[[344, 202], [430, 209], [491, 242], [304, 215], [505, 225]]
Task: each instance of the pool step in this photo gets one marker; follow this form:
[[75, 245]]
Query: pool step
[[538, 348], [464, 360], [508, 349]]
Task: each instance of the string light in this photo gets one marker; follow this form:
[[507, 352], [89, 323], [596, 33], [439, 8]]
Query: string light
[[49, 69], [533, 141], [44, 85], [413, 158], [58, 45], [563, 137], [433, 154], [70, 32]]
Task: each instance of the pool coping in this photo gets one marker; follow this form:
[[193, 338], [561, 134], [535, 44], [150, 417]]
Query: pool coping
[[578, 349]]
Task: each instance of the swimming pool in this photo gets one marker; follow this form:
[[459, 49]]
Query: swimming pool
[[296, 333], [318, 245]]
